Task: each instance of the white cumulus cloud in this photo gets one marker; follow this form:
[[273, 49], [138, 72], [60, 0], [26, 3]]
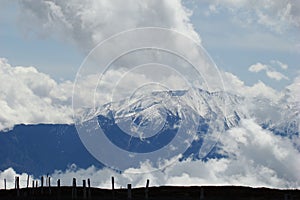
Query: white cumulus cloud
[[258, 67], [269, 70], [90, 23], [29, 96], [235, 85]]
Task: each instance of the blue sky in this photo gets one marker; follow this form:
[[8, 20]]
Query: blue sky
[[50, 55], [233, 44]]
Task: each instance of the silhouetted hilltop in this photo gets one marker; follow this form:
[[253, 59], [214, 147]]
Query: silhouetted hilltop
[[157, 193]]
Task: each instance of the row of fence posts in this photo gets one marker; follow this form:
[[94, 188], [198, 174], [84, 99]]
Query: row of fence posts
[[129, 193], [87, 193], [85, 185]]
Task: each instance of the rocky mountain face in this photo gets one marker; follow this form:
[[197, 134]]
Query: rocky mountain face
[[146, 123]]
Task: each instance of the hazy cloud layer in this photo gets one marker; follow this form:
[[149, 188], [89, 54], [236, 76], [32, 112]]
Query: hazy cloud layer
[[256, 157]]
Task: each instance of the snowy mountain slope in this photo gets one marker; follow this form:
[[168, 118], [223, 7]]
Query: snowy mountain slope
[[146, 122], [281, 117], [212, 112], [137, 120]]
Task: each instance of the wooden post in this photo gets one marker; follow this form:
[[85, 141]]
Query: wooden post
[[42, 184], [129, 191], [89, 191], [16, 182], [287, 197], [89, 183], [47, 180], [42, 181], [58, 188], [112, 183], [74, 189], [32, 190], [36, 184], [4, 184], [49, 184], [147, 189], [113, 187], [28, 177], [84, 189], [201, 193], [17, 185]]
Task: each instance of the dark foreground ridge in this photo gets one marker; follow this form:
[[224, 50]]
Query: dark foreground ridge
[[157, 193]]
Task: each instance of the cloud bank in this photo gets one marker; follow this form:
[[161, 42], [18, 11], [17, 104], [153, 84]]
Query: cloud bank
[[90, 23], [29, 96], [255, 157]]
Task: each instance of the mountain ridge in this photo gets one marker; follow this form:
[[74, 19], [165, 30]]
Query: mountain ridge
[[43, 148]]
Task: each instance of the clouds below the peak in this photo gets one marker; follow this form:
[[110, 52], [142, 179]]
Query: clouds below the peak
[[255, 157], [90, 23]]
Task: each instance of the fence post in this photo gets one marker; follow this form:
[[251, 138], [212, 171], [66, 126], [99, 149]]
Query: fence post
[[113, 187], [89, 191], [16, 182], [147, 190], [46, 180], [17, 185], [74, 189], [288, 197], [201, 193], [33, 190], [42, 184], [42, 181], [129, 191], [28, 180], [49, 184], [58, 188], [84, 189], [4, 184]]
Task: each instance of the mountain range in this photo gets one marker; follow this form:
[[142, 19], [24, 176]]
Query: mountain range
[[145, 123]]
